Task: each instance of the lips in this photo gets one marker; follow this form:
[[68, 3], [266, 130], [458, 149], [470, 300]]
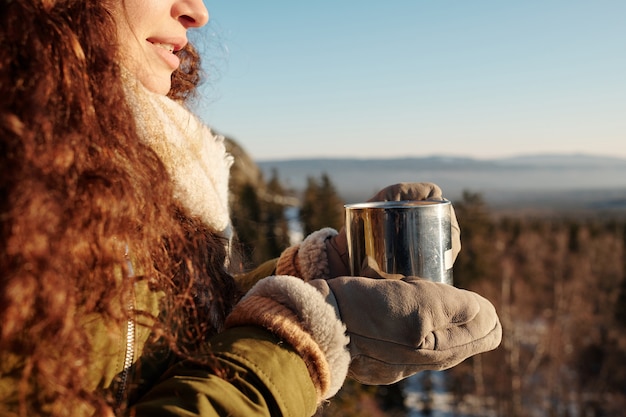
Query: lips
[[166, 51]]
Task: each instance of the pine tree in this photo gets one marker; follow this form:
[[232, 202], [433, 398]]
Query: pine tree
[[620, 310], [257, 211], [474, 262], [321, 206], [276, 227]]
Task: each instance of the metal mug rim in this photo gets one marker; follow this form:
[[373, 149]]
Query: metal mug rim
[[407, 204]]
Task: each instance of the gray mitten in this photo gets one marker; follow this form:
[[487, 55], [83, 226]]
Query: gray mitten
[[407, 191], [400, 327]]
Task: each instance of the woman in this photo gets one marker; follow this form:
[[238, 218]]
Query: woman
[[115, 234]]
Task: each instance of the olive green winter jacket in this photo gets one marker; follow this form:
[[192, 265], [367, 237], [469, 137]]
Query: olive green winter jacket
[[264, 376]]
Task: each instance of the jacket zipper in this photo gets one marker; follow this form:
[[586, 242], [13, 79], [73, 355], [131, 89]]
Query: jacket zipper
[[129, 354]]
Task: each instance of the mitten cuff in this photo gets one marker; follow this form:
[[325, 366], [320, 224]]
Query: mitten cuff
[[297, 313], [309, 259], [287, 263]]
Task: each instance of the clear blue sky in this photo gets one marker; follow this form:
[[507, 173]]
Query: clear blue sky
[[358, 78]]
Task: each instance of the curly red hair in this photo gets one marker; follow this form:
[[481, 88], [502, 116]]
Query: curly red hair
[[78, 186]]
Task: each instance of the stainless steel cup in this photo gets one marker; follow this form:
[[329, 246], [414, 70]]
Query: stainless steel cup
[[410, 238]]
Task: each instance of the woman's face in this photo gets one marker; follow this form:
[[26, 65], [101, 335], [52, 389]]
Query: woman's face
[[150, 32]]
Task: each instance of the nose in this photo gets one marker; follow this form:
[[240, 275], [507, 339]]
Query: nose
[[191, 13]]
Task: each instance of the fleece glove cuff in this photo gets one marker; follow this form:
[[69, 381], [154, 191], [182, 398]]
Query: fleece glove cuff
[[298, 314]]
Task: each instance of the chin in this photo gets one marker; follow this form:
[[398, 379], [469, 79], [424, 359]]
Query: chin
[[159, 84], [160, 88]]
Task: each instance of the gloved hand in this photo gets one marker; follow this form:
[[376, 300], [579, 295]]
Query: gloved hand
[[400, 327], [324, 253], [395, 327]]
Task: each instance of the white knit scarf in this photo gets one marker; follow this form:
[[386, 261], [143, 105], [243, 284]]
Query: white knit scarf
[[195, 158]]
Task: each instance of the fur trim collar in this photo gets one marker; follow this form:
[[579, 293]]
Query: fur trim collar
[[195, 158]]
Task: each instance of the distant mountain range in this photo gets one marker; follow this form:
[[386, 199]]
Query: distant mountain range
[[569, 181]]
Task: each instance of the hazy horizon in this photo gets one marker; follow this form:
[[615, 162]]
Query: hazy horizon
[[529, 155], [541, 180]]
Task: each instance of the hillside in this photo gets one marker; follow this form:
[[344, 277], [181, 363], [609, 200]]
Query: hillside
[[576, 182]]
